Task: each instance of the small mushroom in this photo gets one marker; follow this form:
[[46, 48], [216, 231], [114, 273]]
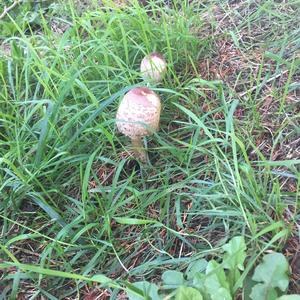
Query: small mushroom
[[153, 67], [138, 116]]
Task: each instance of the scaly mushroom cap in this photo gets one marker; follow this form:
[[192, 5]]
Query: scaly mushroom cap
[[153, 67], [138, 113]]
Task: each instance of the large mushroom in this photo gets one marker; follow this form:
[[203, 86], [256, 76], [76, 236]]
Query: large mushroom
[[138, 116], [153, 67]]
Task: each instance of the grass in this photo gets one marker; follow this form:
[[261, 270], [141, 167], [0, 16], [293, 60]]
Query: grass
[[225, 161]]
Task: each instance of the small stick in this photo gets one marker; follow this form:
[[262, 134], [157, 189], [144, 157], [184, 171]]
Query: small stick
[[9, 8], [270, 79]]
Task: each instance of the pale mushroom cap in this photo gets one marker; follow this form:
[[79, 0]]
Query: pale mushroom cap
[[153, 67], [139, 112]]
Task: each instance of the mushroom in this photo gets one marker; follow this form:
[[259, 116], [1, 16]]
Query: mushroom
[[138, 116], [153, 67]]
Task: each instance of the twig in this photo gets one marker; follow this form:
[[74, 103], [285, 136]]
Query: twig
[[255, 87], [9, 8]]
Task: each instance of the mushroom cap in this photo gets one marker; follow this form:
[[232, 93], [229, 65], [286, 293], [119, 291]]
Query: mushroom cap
[[153, 67], [138, 113]]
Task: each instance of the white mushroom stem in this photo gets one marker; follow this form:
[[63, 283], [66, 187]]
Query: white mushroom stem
[[138, 148]]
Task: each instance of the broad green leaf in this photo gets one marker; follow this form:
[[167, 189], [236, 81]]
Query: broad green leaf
[[187, 293], [197, 266], [221, 294], [235, 254], [273, 271], [271, 274], [149, 291], [263, 292], [233, 278], [289, 297], [215, 278], [199, 283], [172, 279], [233, 259]]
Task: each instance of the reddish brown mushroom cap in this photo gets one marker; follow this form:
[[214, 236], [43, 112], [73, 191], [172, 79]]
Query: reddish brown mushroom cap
[[139, 113]]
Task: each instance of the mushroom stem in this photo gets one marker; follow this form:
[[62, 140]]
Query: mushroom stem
[[138, 149]]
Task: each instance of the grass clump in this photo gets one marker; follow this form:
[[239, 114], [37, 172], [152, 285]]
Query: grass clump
[[73, 204]]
